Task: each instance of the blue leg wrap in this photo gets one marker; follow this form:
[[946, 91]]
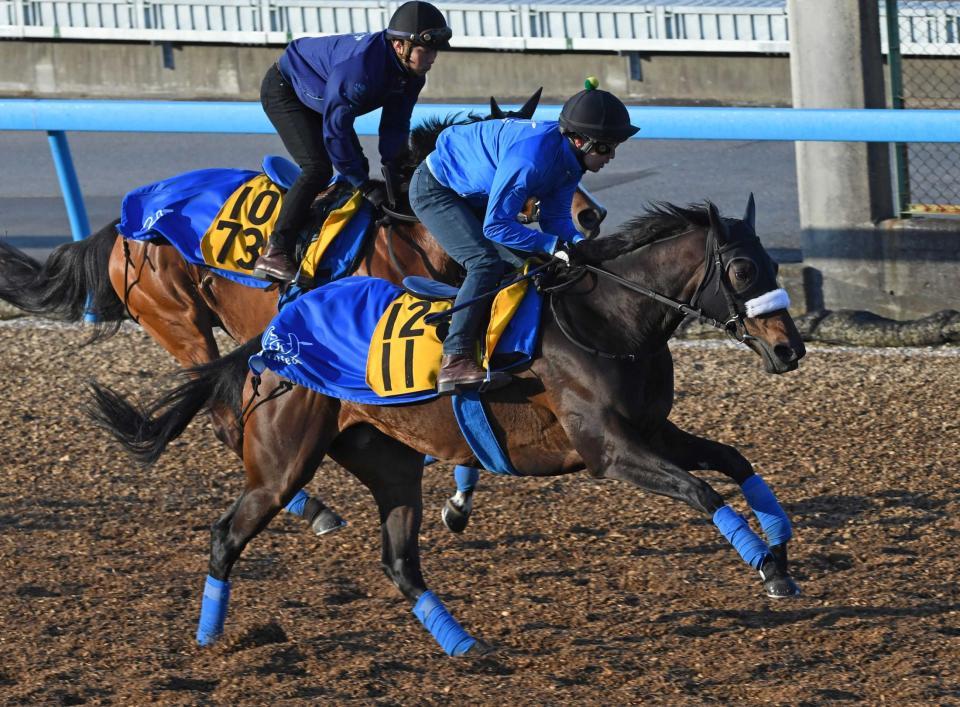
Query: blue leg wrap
[[428, 460], [213, 610], [298, 502], [735, 529], [775, 524], [466, 478], [442, 626]]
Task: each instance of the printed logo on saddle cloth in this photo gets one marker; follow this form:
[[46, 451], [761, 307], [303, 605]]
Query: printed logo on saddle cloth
[[364, 340]]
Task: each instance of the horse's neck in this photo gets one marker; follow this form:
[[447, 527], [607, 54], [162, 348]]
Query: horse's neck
[[626, 321], [404, 249]]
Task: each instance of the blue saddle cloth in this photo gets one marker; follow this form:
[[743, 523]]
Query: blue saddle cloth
[[321, 340], [182, 208]]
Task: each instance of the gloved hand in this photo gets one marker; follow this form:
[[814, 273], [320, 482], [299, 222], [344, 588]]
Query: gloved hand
[[374, 192], [567, 252]]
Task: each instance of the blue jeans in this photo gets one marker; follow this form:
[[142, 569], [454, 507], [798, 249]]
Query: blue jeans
[[458, 228]]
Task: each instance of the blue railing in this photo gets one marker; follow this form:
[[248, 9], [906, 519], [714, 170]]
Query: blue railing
[[57, 117]]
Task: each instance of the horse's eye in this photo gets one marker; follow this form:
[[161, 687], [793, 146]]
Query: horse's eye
[[743, 272]]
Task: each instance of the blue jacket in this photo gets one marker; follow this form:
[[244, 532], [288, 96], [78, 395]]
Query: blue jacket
[[503, 162], [347, 75]]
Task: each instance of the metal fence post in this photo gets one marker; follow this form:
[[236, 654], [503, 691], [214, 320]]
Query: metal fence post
[[895, 63], [70, 186]]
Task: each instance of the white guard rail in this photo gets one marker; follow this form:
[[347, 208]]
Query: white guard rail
[[739, 26]]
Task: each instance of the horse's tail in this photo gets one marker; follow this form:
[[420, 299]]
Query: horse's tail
[[146, 430], [60, 287]]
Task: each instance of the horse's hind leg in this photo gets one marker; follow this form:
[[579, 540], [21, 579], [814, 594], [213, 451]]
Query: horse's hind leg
[[284, 442], [393, 473], [692, 452]]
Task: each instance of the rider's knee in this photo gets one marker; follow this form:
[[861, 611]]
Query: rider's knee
[[315, 173], [489, 262]]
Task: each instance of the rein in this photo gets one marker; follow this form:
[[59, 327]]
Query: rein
[[733, 326]]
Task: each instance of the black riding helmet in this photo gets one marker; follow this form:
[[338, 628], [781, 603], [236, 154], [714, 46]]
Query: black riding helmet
[[420, 23], [597, 115]]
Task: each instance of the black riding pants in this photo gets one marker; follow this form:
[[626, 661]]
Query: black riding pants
[[301, 131]]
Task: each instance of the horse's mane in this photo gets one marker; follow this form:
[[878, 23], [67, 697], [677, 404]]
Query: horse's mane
[[423, 137], [662, 220]]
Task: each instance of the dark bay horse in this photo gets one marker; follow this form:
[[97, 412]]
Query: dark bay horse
[[597, 399]]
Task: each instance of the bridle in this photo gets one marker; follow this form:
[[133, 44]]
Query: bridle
[[731, 323]]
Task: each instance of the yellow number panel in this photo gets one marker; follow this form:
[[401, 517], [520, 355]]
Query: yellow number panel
[[240, 231]]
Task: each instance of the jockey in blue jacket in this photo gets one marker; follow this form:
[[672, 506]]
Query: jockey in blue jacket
[[471, 187], [315, 91]]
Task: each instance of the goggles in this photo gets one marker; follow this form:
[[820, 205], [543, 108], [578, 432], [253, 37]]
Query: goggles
[[599, 148], [427, 38]]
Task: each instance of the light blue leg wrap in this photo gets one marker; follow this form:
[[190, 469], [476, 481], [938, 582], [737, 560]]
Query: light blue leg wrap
[[442, 626], [298, 502], [735, 529], [775, 524], [466, 478], [213, 610]]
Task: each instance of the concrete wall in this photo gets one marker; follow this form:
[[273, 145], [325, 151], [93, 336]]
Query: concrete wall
[[901, 269], [67, 69]]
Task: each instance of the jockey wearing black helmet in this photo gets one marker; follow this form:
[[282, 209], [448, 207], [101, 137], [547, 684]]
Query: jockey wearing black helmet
[[598, 118], [471, 187], [315, 91]]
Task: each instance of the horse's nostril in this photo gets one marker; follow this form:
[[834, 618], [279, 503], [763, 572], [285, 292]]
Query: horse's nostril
[[785, 353]]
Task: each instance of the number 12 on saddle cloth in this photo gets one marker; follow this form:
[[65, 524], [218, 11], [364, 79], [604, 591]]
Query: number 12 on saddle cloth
[[404, 355]]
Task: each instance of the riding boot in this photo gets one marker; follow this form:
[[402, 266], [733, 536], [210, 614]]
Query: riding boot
[[459, 372], [275, 263]]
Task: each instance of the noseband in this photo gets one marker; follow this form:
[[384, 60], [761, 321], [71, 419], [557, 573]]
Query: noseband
[[732, 324]]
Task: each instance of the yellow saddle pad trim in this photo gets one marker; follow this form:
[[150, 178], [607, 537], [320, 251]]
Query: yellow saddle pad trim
[[332, 225], [404, 354], [504, 306], [242, 226]]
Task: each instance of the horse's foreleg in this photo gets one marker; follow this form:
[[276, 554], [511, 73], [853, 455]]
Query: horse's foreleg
[[692, 452], [321, 517], [393, 472], [284, 442], [610, 449], [456, 511]]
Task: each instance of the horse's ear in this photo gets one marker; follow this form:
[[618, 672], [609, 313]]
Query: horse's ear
[[528, 109], [716, 222], [750, 214], [495, 110]]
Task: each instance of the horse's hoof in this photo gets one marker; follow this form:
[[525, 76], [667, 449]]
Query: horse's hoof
[[479, 649], [454, 518], [781, 587], [327, 521]]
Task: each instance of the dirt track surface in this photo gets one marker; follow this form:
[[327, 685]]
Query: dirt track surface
[[592, 592]]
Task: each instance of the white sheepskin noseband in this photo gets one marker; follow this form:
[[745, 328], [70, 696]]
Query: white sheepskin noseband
[[768, 302]]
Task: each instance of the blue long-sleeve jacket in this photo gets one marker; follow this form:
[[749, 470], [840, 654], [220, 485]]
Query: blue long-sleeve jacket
[[347, 75], [503, 162]]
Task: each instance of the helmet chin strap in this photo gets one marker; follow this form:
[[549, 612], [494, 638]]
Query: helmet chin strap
[[405, 56], [580, 152]]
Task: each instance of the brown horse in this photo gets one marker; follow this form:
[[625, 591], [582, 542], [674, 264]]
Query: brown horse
[[598, 399], [180, 305]]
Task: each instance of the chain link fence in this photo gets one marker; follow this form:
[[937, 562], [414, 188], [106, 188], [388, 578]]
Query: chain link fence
[[924, 41]]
